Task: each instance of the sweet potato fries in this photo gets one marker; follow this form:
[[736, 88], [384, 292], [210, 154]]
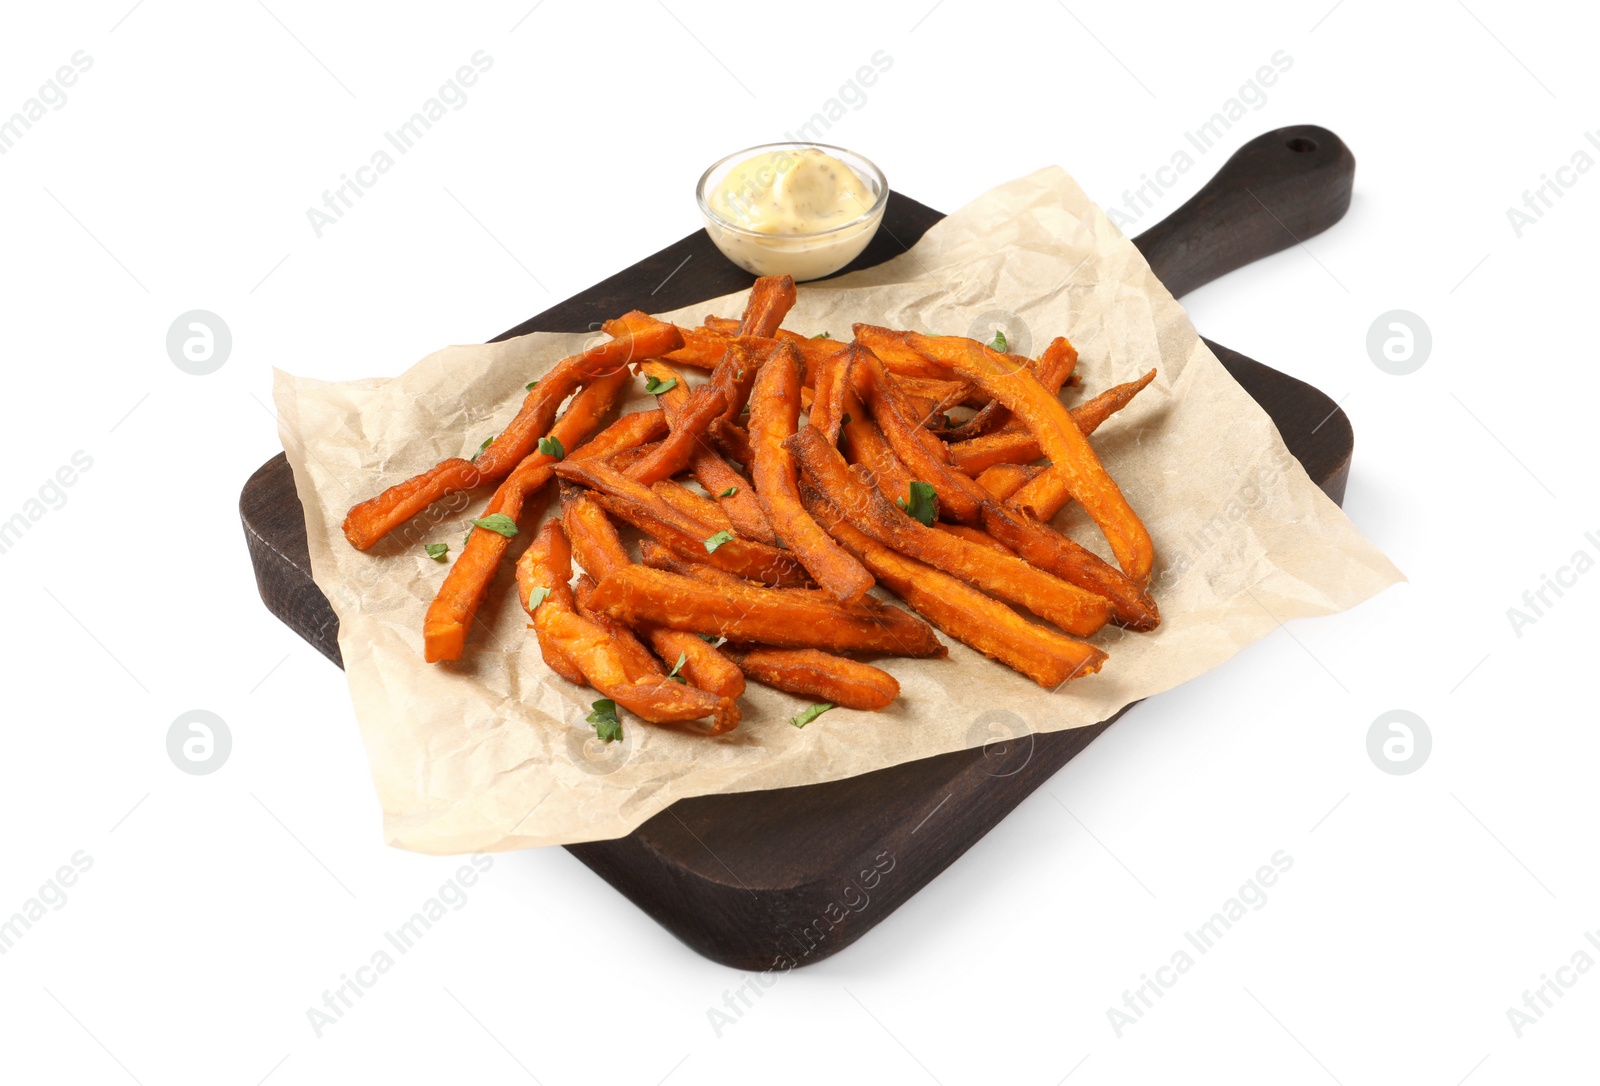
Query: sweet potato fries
[[766, 499]]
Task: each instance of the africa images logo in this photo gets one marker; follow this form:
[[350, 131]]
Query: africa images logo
[[450, 97], [52, 94]]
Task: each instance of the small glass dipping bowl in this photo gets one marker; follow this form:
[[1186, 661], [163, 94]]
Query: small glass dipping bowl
[[804, 256]]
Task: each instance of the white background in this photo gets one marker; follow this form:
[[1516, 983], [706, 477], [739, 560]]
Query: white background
[[218, 908]]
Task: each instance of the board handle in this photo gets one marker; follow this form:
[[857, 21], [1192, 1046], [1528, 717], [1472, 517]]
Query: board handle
[[1277, 190]]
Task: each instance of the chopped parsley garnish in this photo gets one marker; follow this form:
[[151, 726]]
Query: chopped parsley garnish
[[536, 596], [822, 335], [498, 523], [715, 541], [811, 714], [604, 718], [551, 446], [730, 492], [529, 386], [486, 443], [683, 658], [922, 505], [656, 387], [998, 343], [437, 551]]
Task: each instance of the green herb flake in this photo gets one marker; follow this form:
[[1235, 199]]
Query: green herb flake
[[498, 523], [437, 551], [683, 658], [604, 718], [998, 343], [922, 504], [715, 541], [730, 492], [822, 335], [529, 386], [711, 639], [551, 446], [486, 443], [536, 596], [811, 714], [656, 387]]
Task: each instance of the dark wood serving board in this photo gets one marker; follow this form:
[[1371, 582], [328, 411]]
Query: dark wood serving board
[[771, 879]]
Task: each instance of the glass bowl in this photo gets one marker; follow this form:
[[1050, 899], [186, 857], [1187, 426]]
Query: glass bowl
[[804, 256]]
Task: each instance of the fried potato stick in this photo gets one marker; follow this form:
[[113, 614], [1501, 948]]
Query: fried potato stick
[[732, 491], [1054, 368], [942, 394], [813, 673], [925, 456], [671, 455], [691, 504], [547, 565], [831, 383], [1045, 495], [557, 660], [974, 535], [1074, 609], [643, 508], [703, 348], [657, 556], [1004, 480], [771, 298], [774, 417], [864, 444], [449, 616], [890, 348], [769, 616], [1013, 445], [374, 518], [735, 495], [1041, 545], [732, 440], [1037, 543], [636, 659], [600, 552], [735, 375], [986, 624], [1016, 445], [1072, 459]]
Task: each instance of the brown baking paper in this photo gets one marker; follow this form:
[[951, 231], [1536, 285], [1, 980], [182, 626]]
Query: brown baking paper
[[493, 752]]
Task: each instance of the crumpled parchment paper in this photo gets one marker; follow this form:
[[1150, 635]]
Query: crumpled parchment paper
[[493, 752]]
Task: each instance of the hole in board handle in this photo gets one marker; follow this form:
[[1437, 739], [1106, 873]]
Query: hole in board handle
[[1301, 146]]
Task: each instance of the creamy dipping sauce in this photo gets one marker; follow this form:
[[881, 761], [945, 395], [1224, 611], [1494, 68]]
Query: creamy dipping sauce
[[792, 211], [791, 192]]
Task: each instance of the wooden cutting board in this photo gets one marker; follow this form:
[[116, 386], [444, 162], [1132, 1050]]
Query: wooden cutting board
[[787, 877]]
